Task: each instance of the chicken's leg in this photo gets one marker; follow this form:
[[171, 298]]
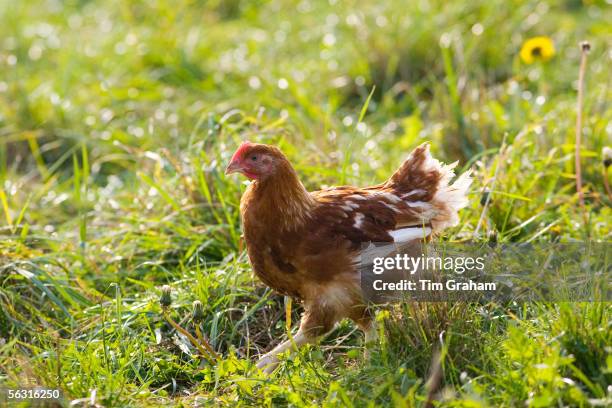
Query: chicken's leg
[[371, 334], [318, 320], [269, 361]]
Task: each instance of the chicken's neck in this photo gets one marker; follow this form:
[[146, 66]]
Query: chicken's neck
[[281, 199]]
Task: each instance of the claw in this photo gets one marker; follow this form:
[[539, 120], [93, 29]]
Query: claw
[[267, 363]]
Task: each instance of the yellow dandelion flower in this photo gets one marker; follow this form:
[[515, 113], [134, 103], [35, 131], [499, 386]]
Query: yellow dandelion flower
[[537, 49]]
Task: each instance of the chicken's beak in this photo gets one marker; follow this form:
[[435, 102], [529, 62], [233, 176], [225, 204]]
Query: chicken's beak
[[233, 167]]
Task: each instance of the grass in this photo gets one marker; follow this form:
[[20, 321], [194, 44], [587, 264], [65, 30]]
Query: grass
[[116, 120]]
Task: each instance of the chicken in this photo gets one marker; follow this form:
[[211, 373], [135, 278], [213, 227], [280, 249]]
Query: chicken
[[305, 244]]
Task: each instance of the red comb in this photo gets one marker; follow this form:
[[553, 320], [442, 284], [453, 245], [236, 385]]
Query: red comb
[[241, 150]]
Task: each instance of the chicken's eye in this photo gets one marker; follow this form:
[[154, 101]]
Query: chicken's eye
[[253, 158]]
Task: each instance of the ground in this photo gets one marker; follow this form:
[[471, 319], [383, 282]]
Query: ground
[[118, 117]]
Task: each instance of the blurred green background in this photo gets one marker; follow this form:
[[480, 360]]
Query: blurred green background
[[117, 118]]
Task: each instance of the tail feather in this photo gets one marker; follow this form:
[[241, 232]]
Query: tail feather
[[423, 182], [450, 198]]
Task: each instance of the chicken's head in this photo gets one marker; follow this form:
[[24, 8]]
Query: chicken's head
[[254, 160]]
